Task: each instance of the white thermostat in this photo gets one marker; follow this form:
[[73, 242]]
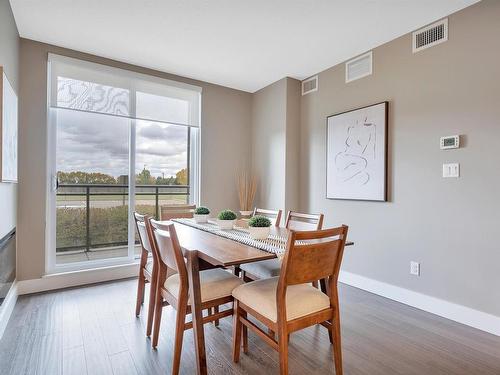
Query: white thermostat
[[452, 141]]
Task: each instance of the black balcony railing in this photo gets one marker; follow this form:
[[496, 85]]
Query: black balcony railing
[[95, 216]]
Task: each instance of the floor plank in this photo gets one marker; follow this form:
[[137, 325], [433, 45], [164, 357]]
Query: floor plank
[[93, 330], [123, 364], [74, 361]]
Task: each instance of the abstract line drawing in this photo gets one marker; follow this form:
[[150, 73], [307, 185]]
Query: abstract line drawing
[[356, 154]]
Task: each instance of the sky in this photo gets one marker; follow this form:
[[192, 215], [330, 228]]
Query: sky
[[91, 142]]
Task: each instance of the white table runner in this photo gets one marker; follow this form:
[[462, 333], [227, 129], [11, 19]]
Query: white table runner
[[273, 244]]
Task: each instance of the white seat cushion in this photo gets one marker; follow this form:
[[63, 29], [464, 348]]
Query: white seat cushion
[[263, 269], [215, 283], [301, 300]]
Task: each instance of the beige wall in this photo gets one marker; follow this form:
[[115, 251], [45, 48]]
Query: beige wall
[[9, 60], [275, 144], [225, 145], [449, 225], [269, 144]]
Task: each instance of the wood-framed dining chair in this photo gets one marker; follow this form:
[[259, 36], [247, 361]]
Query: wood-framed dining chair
[[147, 271], [176, 211], [289, 303], [272, 267], [303, 222], [273, 215], [216, 286]]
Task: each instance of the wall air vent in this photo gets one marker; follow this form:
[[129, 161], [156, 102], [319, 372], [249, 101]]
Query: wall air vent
[[431, 35], [309, 85], [359, 67]]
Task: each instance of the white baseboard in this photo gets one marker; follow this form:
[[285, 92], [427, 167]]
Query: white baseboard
[[458, 313], [7, 307], [76, 278]]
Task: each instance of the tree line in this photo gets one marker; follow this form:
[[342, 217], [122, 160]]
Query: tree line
[[142, 178]]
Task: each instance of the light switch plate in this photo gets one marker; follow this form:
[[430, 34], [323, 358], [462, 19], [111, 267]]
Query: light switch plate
[[451, 170]]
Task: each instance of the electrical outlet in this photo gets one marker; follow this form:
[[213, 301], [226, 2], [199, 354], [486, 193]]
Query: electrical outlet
[[415, 268]]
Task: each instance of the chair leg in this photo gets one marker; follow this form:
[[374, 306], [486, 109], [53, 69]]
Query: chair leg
[[216, 311], [243, 275], [157, 319], [237, 325], [245, 334], [337, 347], [151, 307], [140, 294], [179, 335], [330, 332], [283, 350]]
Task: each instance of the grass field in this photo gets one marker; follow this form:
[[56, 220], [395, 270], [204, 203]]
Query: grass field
[[108, 220]]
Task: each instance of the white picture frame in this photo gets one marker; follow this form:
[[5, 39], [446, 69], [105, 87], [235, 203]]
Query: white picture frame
[[8, 130], [357, 154]]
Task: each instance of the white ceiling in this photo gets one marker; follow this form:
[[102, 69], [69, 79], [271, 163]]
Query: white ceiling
[[244, 44]]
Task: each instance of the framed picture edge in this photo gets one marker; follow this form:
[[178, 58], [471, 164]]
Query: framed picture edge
[[2, 180], [1, 124], [386, 153]]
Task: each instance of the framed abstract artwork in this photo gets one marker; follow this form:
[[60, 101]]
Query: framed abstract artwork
[[8, 130], [357, 154]]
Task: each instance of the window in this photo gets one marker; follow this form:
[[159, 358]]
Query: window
[[119, 142]]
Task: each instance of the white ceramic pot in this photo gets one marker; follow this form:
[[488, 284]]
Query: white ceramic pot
[[200, 218], [259, 233], [246, 213], [225, 224]]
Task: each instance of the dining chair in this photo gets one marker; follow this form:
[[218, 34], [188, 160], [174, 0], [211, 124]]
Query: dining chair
[[147, 271], [216, 286], [273, 215], [176, 211], [271, 268], [289, 303]]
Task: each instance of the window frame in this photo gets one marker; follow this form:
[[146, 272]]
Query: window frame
[[193, 165]]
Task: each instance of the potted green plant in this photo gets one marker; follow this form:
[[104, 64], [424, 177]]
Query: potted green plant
[[201, 214], [226, 219], [259, 227]]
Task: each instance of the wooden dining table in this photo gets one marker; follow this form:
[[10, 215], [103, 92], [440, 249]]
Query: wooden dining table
[[205, 250]]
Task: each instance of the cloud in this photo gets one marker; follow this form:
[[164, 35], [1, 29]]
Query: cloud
[[156, 131], [97, 143]]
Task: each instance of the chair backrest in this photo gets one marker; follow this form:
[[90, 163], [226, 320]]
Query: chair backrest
[[142, 232], [273, 215], [311, 256], [168, 249], [176, 211], [301, 221]]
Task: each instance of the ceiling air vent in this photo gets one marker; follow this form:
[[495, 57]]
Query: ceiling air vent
[[309, 85], [430, 36], [359, 67]]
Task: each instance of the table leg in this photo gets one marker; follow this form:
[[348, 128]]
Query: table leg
[[236, 271], [193, 268]]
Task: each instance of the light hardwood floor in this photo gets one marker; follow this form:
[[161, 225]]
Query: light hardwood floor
[[93, 330]]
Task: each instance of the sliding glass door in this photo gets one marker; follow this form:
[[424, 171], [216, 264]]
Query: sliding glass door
[[92, 169], [118, 143]]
